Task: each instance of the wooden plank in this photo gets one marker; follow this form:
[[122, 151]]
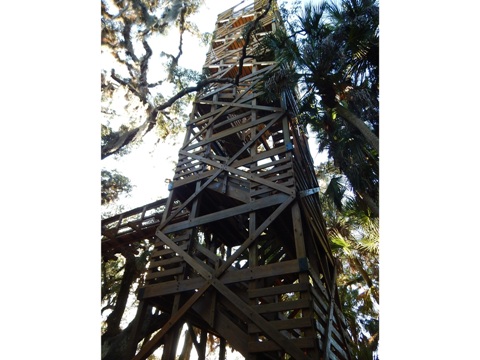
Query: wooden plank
[[338, 348], [248, 176], [134, 212], [149, 347], [165, 262], [266, 346], [333, 356], [218, 113], [233, 190], [193, 178], [284, 324], [164, 252], [269, 164], [328, 330], [320, 313], [172, 287], [212, 178], [228, 329], [318, 283], [263, 189], [254, 159], [262, 271], [263, 324], [164, 273], [276, 171], [231, 276], [282, 306], [230, 131], [320, 299], [226, 213], [197, 266], [176, 239], [207, 253], [254, 236], [345, 335], [240, 105], [277, 290], [320, 329]]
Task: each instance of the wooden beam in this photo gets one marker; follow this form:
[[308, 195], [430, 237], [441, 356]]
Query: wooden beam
[[266, 346], [226, 213], [232, 276], [263, 324], [151, 345], [230, 131], [248, 175], [240, 105], [254, 236], [328, 332], [287, 324], [213, 177], [277, 290]]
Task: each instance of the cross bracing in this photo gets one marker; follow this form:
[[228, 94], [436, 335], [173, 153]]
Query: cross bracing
[[240, 245]]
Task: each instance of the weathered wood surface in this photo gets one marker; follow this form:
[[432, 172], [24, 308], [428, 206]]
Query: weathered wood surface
[[240, 247]]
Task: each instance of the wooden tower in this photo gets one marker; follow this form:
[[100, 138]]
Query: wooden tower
[[241, 250]]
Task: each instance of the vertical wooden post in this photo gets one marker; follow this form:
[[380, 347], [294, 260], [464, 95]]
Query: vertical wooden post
[[203, 345], [132, 346], [303, 277], [223, 349], [171, 342], [253, 261], [328, 331]]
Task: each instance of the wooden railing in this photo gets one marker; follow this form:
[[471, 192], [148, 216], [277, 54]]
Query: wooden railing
[[122, 230]]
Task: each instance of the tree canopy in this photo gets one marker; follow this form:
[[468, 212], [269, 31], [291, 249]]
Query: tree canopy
[[334, 47]]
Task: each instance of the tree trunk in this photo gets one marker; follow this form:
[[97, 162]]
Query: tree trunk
[[129, 276], [372, 205], [187, 346], [116, 347], [354, 120], [366, 277]]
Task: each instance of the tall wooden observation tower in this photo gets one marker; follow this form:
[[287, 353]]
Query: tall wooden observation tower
[[241, 250]]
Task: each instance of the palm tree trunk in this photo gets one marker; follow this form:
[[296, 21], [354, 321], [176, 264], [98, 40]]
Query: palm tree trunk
[[113, 320], [365, 276], [372, 205], [354, 120]]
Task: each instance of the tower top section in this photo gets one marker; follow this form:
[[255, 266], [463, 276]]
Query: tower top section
[[236, 37]]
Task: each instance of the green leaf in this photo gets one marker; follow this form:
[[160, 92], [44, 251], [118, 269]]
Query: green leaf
[[338, 242]]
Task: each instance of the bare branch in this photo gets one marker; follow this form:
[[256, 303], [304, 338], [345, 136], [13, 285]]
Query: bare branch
[[182, 30], [175, 59], [139, 132], [107, 307], [143, 84], [127, 39], [125, 83], [247, 41], [158, 83]]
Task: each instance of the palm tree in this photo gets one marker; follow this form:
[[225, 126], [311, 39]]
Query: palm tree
[[339, 53], [334, 50], [355, 242]]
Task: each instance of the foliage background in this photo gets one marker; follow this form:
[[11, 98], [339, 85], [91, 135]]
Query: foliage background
[[50, 183]]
